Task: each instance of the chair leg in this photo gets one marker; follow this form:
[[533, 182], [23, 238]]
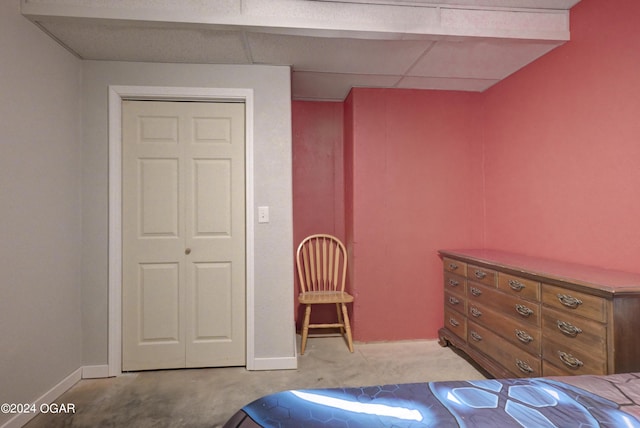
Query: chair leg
[[347, 327], [342, 332], [305, 329]]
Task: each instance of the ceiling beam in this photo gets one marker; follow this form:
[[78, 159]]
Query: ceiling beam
[[398, 21]]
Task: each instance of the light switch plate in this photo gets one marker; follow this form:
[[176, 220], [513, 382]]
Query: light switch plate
[[263, 214]]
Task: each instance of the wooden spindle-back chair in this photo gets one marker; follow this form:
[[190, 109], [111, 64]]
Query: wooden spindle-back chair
[[321, 262]]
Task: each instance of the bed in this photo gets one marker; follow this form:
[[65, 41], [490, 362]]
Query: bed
[[572, 401]]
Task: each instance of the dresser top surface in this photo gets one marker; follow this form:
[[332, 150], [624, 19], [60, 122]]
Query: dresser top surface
[[610, 281]]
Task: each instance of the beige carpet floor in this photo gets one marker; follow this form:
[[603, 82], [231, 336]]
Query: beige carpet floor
[[208, 397]]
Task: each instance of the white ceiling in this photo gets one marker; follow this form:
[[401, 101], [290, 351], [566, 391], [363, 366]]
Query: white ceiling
[[331, 45]]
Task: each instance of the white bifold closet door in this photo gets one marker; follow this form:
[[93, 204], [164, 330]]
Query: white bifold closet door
[[183, 191]]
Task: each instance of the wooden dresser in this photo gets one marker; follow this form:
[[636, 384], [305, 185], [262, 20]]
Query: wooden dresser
[[520, 316]]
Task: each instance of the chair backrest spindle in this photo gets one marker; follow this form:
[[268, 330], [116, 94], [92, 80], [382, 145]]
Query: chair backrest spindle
[[321, 261]]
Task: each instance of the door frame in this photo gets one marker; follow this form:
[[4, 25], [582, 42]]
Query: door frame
[[162, 93]]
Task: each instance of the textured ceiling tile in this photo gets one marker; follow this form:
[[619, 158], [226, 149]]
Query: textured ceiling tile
[[520, 21], [202, 6], [445, 83], [480, 59], [542, 4], [150, 42], [369, 15], [334, 86], [336, 55]]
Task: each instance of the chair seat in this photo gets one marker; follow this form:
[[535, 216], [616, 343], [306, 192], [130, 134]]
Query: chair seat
[[319, 297]]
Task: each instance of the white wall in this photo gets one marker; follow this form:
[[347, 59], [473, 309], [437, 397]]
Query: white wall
[[40, 210], [274, 318], [54, 204]]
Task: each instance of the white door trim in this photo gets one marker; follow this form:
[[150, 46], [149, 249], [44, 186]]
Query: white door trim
[[116, 95]]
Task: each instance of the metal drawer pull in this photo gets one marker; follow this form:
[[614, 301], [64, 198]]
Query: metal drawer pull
[[523, 310], [568, 328], [475, 336], [569, 301], [453, 266], [479, 274], [475, 291], [454, 322], [524, 367], [453, 300], [453, 283], [570, 360], [515, 285], [523, 336], [475, 312]]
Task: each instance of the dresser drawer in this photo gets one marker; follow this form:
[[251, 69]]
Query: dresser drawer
[[582, 304], [455, 283], [456, 323], [523, 335], [521, 287], [522, 310], [454, 266], [455, 301], [549, 369], [575, 361], [575, 332], [480, 293], [512, 358], [483, 275]]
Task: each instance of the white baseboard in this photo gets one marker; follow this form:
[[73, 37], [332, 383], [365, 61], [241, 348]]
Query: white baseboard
[[95, 372], [283, 363], [47, 398]]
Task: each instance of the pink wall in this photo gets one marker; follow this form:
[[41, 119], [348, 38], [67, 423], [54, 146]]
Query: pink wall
[[562, 145], [414, 183], [546, 163], [348, 170], [318, 183]]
